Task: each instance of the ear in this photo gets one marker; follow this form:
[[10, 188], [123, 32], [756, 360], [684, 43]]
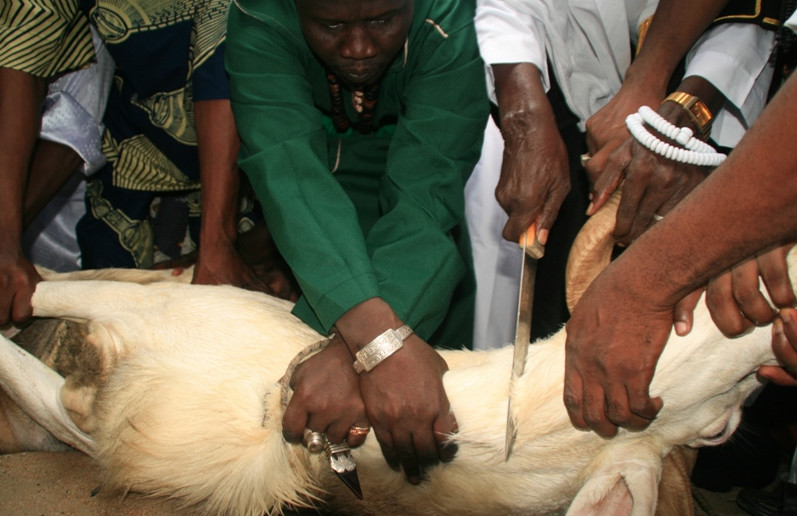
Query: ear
[[85, 365], [35, 388], [622, 481]]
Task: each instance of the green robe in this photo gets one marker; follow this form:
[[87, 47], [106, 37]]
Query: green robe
[[355, 215]]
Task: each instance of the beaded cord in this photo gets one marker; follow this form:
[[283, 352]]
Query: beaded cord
[[364, 102], [695, 151]]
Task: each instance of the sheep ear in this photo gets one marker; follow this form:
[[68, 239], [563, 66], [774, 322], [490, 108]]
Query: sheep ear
[[36, 388], [623, 483], [607, 495]]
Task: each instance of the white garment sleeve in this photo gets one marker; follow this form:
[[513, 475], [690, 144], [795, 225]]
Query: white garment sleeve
[[792, 22], [734, 58], [506, 35], [74, 107]]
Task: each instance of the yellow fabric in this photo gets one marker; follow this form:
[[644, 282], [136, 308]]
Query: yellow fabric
[[44, 37]]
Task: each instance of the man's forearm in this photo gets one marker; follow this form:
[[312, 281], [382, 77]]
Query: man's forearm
[[51, 167], [21, 96], [746, 205], [521, 96], [218, 152], [676, 26]]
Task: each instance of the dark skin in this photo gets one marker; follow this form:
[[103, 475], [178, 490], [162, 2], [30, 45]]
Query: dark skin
[[621, 324], [669, 38], [651, 184], [36, 170], [356, 40], [403, 397], [535, 175], [21, 95], [218, 262]]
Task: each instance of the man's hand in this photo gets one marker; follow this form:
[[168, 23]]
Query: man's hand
[[220, 264], [408, 408], [611, 355], [18, 279], [535, 176], [326, 397], [784, 345], [607, 139], [735, 300], [653, 186], [534, 180]]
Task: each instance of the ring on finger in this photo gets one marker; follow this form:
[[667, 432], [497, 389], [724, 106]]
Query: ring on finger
[[359, 431], [315, 441]]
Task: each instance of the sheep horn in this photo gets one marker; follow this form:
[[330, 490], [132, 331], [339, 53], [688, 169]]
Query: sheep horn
[[591, 251]]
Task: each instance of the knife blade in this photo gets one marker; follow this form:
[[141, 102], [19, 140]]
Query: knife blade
[[531, 253], [344, 467]]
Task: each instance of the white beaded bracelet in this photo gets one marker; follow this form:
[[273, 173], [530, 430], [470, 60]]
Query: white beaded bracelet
[[696, 152], [682, 135]]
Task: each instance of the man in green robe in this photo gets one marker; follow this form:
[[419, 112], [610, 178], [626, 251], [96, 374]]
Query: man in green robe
[[361, 121]]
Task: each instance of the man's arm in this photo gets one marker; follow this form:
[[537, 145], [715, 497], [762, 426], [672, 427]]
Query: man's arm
[[535, 176], [622, 322], [534, 172], [218, 143], [669, 37], [21, 95]]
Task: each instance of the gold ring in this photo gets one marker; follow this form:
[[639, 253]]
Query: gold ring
[[359, 430]]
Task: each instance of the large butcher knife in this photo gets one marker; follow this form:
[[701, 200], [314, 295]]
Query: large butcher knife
[[531, 253]]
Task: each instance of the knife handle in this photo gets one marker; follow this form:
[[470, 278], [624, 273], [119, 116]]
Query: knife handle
[[536, 250]]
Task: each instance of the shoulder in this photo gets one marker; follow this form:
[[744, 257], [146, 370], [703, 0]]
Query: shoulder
[[272, 12], [444, 16]]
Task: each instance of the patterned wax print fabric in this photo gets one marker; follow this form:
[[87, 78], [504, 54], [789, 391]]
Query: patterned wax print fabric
[[44, 38], [379, 213], [144, 205]]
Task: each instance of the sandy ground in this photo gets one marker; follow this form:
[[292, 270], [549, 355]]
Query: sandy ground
[[45, 484], [39, 483]]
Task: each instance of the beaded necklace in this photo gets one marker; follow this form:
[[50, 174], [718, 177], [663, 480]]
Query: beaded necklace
[[363, 100]]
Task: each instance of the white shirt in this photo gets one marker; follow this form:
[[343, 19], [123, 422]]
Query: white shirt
[[587, 42], [591, 53], [734, 57]]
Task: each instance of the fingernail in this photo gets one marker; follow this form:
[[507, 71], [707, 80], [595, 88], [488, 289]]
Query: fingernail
[[589, 208], [543, 236], [681, 328], [777, 327]]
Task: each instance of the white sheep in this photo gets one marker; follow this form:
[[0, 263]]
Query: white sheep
[[188, 404]]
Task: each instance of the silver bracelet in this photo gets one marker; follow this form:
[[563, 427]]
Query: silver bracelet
[[380, 348]]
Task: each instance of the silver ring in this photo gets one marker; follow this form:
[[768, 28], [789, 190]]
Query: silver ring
[[657, 217], [315, 441], [585, 159]]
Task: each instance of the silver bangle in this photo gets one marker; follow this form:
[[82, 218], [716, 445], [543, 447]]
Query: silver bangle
[[380, 348]]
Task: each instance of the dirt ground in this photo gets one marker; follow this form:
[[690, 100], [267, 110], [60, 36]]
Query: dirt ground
[[45, 484], [61, 483]]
